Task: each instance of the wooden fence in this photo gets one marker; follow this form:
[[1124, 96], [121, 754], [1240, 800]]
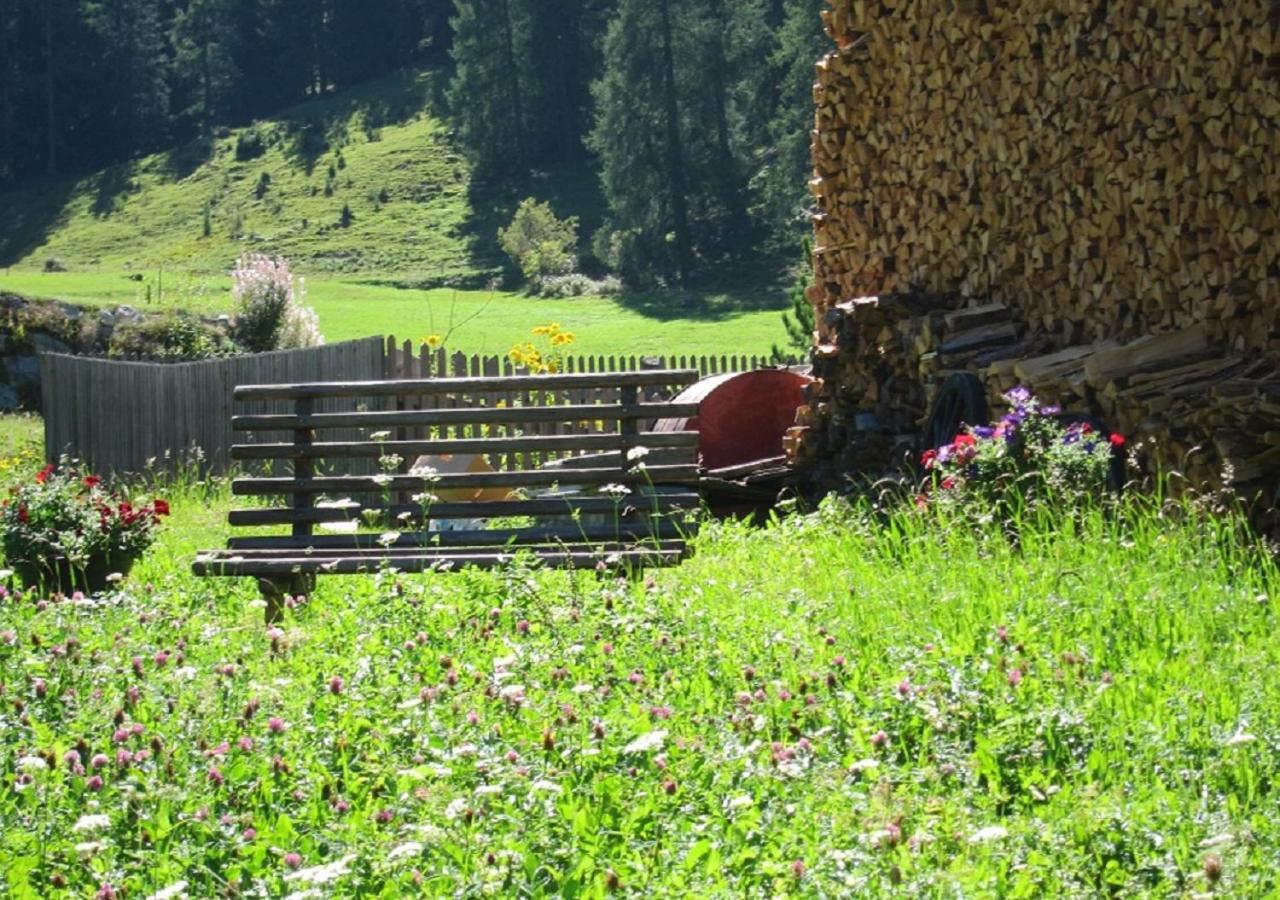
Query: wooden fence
[[124, 416], [121, 417], [409, 360]]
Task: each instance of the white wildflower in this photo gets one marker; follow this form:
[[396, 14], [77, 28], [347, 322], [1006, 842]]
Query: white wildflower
[[583, 688], [304, 894], [1239, 738], [409, 848], [455, 809], [32, 764], [430, 833], [379, 435], [382, 479], [637, 453], [864, 765], [325, 874], [543, 784], [615, 490], [88, 848], [488, 790], [988, 834], [653, 740], [426, 473], [186, 673], [742, 801], [91, 822], [424, 498], [113, 578], [467, 749], [387, 538], [173, 891], [1217, 840]]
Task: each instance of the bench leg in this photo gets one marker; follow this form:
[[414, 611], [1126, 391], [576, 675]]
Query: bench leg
[[274, 591]]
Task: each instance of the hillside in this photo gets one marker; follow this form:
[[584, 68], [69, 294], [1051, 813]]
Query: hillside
[[378, 151]]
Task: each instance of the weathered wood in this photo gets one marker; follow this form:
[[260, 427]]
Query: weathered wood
[[548, 443], [462, 385], [624, 531], [327, 484], [443, 561], [634, 503]]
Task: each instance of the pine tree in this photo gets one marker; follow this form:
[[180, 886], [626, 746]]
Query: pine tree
[[486, 96], [786, 163], [204, 42], [131, 66]]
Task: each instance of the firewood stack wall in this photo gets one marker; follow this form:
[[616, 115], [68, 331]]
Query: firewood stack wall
[[1074, 195]]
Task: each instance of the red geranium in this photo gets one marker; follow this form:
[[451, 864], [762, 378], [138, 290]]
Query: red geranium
[[1117, 440], [44, 474]]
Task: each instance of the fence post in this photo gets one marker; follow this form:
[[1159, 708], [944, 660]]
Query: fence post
[[303, 466]]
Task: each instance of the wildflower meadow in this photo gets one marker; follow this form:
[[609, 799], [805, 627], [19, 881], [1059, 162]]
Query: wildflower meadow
[[873, 699]]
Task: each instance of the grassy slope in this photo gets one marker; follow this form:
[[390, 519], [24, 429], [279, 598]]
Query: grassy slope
[[134, 232], [1137, 740], [148, 213]]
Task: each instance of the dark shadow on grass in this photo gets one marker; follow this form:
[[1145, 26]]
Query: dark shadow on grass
[[715, 293], [108, 185], [183, 161], [31, 215]]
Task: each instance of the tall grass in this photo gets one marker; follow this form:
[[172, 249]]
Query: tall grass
[[870, 700]]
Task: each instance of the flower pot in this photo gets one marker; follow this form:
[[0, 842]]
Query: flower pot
[[58, 573]]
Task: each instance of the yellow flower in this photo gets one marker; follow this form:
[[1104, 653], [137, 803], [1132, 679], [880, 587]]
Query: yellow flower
[[516, 355], [542, 329], [564, 337], [433, 340], [551, 367]]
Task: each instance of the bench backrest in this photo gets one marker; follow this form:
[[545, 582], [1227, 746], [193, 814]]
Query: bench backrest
[[539, 446]]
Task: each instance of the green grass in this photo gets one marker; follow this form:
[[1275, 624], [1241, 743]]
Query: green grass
[[854, 703], [135, 234], [741, 318], [144, 214]]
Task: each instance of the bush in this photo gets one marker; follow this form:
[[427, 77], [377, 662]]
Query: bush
[[269, 316], [64, 514], [575, 284], [539, 243], [1029, 456], [174, 334], [250, 145], [53, 264]]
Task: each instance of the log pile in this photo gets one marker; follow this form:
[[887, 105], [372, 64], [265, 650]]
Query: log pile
[[1079, 196]]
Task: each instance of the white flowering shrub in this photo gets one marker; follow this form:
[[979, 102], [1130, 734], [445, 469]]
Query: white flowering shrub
[[270, 310]]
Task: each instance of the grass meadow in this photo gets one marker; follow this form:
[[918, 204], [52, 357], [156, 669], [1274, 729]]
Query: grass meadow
[[868, 700], [745, 317]]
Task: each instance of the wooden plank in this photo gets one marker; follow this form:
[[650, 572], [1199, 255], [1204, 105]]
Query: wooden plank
[[631, 504], [606, 532], [443, 560], [540, 443], [531, 478], [650, 377]]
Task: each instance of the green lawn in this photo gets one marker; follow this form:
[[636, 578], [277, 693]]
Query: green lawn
[[861, 702], [745, 317]]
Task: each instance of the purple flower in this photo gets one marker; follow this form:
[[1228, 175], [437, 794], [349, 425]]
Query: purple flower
[[293, 860], [99, 760], [275, 725], [94, 783], [1018, 396], [216, 778], [335, 684]]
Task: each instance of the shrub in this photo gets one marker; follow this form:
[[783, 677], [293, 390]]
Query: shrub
[[173, 334], [575, 284], [269, 314], [250, 144], [539, 243], [53, 264], [65, 514], [1030, 455]]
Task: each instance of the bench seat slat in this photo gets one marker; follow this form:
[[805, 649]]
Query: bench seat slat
[[630, 505], [539, 534], [497, 383], [480, 415], [530, 478], [355, 565], [687, 440]]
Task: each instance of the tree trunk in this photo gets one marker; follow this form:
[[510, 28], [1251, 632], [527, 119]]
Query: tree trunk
[[726, 169], [513, 83], [51, 119], [675, 153]]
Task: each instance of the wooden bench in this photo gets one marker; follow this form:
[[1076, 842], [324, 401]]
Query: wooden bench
[[624, 506]]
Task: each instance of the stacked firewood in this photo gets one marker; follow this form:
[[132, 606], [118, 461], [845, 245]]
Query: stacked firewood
[[1095, 188]]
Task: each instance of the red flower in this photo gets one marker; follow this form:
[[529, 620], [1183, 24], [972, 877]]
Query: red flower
[[1086, 428], [92, 481], [44, 474], [1117, 440], [928, 457], [965, 440], [23, 516], [948, 483], [161, 508]]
